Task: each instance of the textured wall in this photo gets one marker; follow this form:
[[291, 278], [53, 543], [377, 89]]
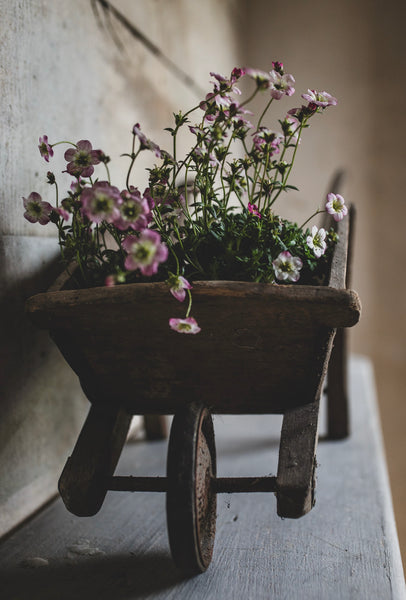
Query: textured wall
[[71, 75]]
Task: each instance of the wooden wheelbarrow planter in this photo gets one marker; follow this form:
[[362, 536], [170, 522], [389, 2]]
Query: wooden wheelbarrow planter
[[263, 349]]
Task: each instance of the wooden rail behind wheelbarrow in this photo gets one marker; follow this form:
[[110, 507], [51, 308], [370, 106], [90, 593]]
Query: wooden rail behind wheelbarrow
[[263, 349]]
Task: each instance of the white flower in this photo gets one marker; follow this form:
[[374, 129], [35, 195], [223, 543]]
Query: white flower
[[316, 241], [287, 267]]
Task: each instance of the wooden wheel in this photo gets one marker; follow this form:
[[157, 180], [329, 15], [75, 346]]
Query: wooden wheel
[[191, 497]]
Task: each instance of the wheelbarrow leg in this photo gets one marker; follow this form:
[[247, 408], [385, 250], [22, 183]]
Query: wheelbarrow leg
[[82, 484], [156, 427], [297, 461], [337, 395]]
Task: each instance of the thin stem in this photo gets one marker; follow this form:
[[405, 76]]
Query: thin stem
[[248, 100], [264, 112], [133, 158], [108, 173], [63, 142], [318, 212], [286, 177], [189, 308]]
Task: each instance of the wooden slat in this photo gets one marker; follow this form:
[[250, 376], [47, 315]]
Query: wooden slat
[[297, 461], [338, 418]]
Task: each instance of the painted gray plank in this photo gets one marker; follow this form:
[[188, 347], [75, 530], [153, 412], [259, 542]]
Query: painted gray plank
[[346, 547]]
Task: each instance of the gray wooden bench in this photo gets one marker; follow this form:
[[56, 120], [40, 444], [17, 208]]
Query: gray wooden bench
[[345, 548]]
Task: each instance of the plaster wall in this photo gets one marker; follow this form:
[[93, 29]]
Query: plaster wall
[[357, 52], [74, 73]]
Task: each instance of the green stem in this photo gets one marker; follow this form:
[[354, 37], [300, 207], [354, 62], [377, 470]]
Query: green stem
[[248, 100], [108, 173], [318, 212], [286, 177], [133, 158], [63, 142], [264, 112], [189, 308]]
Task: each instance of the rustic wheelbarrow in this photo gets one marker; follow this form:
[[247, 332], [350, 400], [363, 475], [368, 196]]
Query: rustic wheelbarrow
[[263, 349]]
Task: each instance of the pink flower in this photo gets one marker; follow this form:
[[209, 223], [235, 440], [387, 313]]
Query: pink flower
[[223, 85], [188, 325], [145, 143], [110, 281], [37, 211], [287, 267], [101, 202], [266, 140], [253, 209], [281, 85], [45, 148], [178, 286], [277, 66], [202, 154], [236, 113], [133, 211], [145, 252], [261, 78], [81, 159], [290, 127], [322, 99], [62, 213], [335, 206]]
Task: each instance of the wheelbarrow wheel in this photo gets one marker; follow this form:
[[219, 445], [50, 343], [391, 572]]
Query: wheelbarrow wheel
[[191, 499]]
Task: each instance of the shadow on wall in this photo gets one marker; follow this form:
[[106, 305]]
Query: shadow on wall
[[22, 274], [42, 405]]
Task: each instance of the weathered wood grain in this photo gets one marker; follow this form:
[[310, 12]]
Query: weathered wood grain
[[191, 497], [297, 461], [246, 327], [338, 418], [82, 484]]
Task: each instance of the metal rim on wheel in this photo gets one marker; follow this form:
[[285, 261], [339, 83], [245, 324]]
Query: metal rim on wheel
[[191, 497]]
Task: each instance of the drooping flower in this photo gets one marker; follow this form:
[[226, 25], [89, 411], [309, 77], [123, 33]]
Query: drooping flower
[[81, 159], [316, 241], [101, 202], [199, 153], [133, 211], [290, 128], [236, 113], [62, 213], [223, 85], [281, 84], [178, 286], [261, 78], [188, 325], [36, 210], [145, 143], [336, 207], [253, 209], [145, 252], [287, 267], [45, 148], [322, 99]]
